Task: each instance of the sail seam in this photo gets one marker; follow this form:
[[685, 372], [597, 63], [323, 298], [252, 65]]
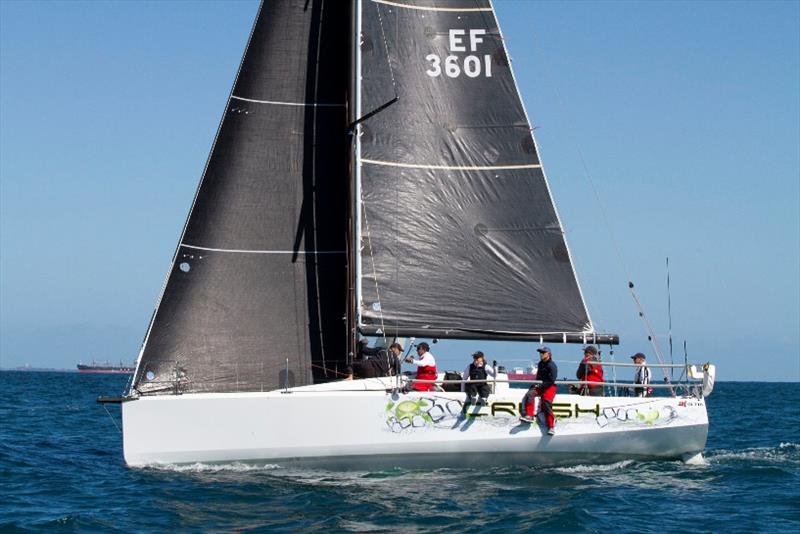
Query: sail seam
[[430, 8], [250, 251], [298, 104], [452, 167]]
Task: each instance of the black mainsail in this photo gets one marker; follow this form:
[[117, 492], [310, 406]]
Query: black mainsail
[[260, 272], [459, 234]]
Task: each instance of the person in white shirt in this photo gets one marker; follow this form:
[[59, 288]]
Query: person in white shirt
[[642, 377], [426, 368], [477, 370]]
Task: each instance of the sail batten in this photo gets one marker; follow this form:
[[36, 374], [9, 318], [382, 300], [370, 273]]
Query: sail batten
[[242, 251], [450, 167], [300, 104], [409, 5]]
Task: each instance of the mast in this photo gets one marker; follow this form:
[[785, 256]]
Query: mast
[[357, 173]]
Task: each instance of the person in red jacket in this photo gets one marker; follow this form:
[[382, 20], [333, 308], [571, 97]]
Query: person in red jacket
[[426, 368], [591, 371]]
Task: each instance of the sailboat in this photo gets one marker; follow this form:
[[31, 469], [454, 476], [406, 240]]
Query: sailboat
[[374, 174]]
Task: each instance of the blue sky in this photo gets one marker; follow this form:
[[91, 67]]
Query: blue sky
[[666, 129]]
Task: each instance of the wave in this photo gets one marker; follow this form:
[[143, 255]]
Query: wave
[[602, 468], [787, 452], [784, 452], [199, 467]]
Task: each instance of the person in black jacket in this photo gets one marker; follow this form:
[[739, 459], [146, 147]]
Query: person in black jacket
[[547, 372], [477, 370], [375, 361]]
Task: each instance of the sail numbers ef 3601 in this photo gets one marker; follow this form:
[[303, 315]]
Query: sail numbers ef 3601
[[453, 66]]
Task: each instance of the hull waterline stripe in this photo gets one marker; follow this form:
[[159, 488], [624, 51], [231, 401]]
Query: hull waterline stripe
[[452, 168], [298, 104], [244, 251], [426, 8]]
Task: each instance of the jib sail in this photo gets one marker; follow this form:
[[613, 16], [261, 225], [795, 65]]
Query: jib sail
[[260, 275]]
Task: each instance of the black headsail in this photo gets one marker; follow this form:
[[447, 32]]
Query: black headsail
[[260, 273], [459, 234]]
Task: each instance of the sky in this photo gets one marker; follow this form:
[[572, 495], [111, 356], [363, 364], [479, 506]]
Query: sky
[[666, 129]]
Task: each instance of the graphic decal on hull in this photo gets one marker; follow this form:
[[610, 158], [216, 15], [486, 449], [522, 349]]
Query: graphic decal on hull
[[627, 415], [432, 412], [420, 413], [444, 413]]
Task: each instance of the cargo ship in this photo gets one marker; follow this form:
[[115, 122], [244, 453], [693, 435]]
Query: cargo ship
[[106, 367]]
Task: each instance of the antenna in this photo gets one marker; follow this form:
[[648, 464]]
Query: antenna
[[669, 315]]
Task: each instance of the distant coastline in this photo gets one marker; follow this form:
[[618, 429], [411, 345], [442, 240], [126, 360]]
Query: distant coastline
[[38, 369]]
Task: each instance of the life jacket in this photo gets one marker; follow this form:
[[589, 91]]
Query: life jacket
[[477, 373], [427, 372], [593, 371]]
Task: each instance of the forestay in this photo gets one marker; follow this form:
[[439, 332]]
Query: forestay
[[459, 234], [260, 273]]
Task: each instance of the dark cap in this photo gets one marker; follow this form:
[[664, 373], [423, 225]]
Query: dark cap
[[638, 355], [542, 350], [477, 354], [590, 350], [364, 341]]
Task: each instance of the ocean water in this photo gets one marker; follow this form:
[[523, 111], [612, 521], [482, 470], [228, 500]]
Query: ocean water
[[61, 469]]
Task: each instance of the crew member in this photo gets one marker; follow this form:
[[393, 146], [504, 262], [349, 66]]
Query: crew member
[[365, 352], [642, 376], [477, 370], [377, 361], [547, 372], [589, 371], [426, 367]]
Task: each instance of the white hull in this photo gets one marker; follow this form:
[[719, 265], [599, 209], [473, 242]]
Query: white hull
[[354, 424]]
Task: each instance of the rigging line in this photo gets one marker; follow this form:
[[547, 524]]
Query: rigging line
[[588, 177], [328, 369], [650, 332], [669, 315], [314, 200], [374, 270], [604, 216], [112, 419]]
